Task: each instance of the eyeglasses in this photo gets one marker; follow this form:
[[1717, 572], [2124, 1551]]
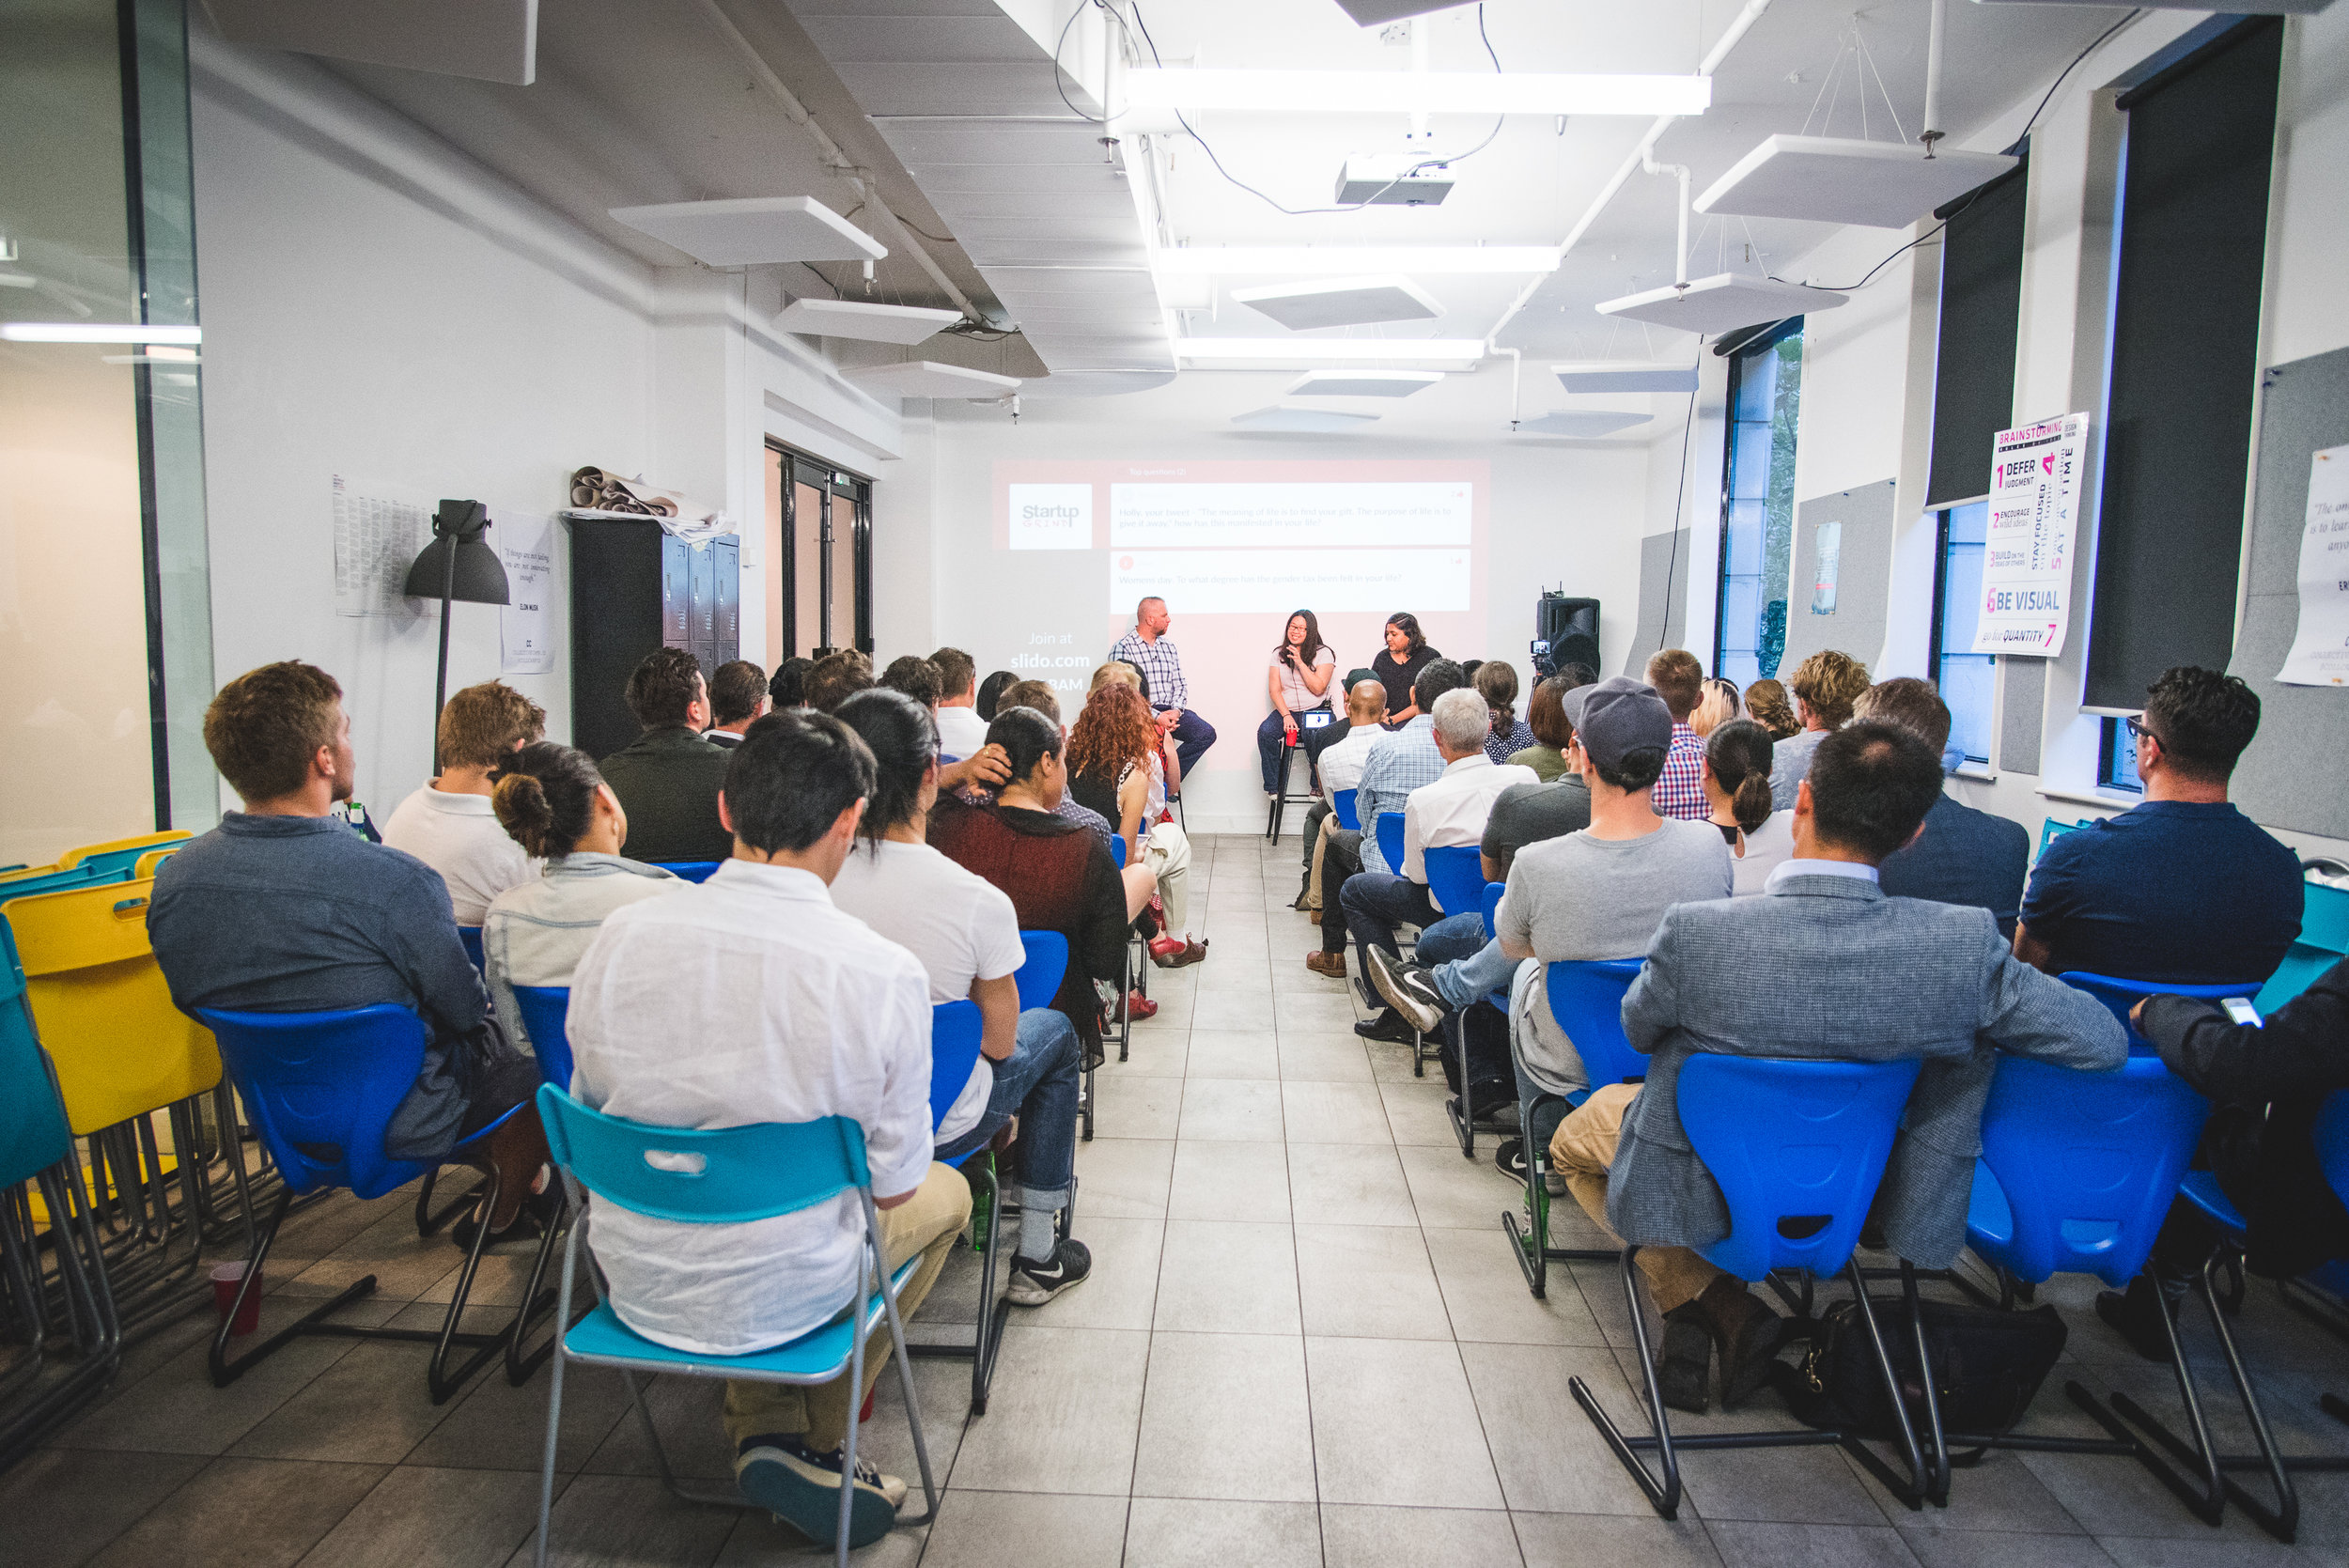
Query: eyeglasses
[[2137, 728]]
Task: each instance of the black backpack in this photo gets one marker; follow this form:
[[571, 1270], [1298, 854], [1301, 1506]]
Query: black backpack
[[1987, 1367]]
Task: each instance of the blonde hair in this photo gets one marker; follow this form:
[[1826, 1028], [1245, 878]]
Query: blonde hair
[[1115, 670], [483, 723]]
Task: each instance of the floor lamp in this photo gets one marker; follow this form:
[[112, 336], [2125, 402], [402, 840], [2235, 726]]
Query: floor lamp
[[458, 564]]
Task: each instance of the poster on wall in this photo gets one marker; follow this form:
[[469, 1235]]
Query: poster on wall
[[1831, 553], [2319, 650], [378, 535], [2027, 561], [525, 628]]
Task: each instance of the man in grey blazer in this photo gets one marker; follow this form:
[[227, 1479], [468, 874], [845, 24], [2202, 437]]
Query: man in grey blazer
[[1824, 965]]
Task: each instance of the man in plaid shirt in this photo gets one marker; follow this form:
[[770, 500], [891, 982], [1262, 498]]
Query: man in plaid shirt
[[1146, 649], [1679, 680]]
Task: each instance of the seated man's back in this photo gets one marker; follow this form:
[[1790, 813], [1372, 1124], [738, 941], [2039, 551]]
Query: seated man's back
[[1964, 857], [668, 778], [1525, 815]]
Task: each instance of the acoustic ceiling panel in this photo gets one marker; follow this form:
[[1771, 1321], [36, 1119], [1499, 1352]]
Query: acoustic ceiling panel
[[2250, 8], [1361, 384], [1587, 424], [1302, 421], [923, 377], [1584, 376], [1721, 303], [1339, 301], [858, 318], [751, 231], [494, 41], [1834, 179]]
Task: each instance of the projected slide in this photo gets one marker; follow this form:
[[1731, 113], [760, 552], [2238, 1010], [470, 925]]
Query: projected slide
[[1234, 548]]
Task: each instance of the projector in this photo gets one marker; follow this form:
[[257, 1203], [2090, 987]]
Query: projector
[[1394, 179]]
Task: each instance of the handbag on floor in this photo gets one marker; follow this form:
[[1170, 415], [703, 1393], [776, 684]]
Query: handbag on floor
[[1987, 1367]]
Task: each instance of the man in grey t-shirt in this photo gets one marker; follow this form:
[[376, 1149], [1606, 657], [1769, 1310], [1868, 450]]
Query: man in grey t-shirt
[[1529, 814]]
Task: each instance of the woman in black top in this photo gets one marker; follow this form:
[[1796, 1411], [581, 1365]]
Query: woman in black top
[[1398, 665]]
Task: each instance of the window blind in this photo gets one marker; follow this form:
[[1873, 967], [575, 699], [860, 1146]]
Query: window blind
[[1982, 301]]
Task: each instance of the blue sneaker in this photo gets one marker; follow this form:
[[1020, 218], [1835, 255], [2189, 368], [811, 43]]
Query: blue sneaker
[[802, 1489]]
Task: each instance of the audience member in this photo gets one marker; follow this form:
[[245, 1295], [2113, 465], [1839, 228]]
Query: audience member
[[753, 999], [1679, 680], [967, 936], [789, 688], [447, 823], [1964, 856], [961, 727], [1768, 705], [1152, 654], [990, 693], [1736, 780], [1059, 877], [667, 779], [1297, 682], [1825, 686], [1719, 706], [1496, 681], [1528, 813], [834, 679], [557, 807], [1546, 720], [1112, 749], [737, 696], [1339, 767], [1398, 666], [1037, 694], [913, 675], [282, 908], [1846, 974], [2185, 888]]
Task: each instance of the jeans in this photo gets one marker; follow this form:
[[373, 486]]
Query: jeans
[[1039, 1082], [1454, 948], [1376, 903], [1192, 736], [1341, 860], [1272, 752]]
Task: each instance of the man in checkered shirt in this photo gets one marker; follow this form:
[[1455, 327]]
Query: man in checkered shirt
[[1679, 680], [1147, 649]]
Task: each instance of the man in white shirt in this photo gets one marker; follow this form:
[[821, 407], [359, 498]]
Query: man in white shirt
[[447, 823], [1338, 765], [961, 730], [737, 700], [752, 999]]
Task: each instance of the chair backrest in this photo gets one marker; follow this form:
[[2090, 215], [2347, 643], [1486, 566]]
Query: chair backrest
[[1796, 1148], [145, 868], [2051, 831], [120, 854], [33, 1131], [105, 1014], [471, 937], [1455, 874], [1040, 973], [703, 1176], [2323, 942], [692, 871], [2087, 1164], [1341, 805], [1390, 840], [2122, 994], [955, 1029], [1586, 1002], [50, 880], [1490, 905], [321, 1087], [546, 1017], [2332, 1142], [1117, 848]]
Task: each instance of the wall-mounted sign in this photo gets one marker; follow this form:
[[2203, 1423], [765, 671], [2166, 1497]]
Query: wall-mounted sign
[[2319, 650], [2027, 561], [1831, 553]]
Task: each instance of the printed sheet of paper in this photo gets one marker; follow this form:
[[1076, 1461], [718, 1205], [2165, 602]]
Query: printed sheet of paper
[[2319, 650], [378, 535], [2026, 563], [525, 623]]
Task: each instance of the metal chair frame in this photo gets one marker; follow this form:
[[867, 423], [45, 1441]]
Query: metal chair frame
[[1282, 797]]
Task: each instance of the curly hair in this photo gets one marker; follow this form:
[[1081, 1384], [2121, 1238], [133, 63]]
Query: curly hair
[[1113, 728], [1828, 684]]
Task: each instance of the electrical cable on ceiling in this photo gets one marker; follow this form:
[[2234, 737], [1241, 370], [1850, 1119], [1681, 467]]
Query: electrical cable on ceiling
[[2066, 71]]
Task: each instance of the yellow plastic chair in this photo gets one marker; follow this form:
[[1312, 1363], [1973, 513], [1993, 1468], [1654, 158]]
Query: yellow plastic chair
[[121, 854], [145, 870], [121, 1048], [18, 874]]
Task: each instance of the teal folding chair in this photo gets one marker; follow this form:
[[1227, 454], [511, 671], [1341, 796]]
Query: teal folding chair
[[723, 1176]]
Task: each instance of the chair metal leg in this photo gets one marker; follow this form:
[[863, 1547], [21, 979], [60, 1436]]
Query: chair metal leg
[[986, 1333], [1086, 1107], [1662, 1494], [1917, 1489], [429, 1223], [519, 1366], [1530, 1245]]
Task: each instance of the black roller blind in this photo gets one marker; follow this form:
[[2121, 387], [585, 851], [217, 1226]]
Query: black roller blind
[[2184, 364], [1982, 301]]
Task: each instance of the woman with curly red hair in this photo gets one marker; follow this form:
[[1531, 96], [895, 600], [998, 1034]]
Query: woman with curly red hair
[[1114, 767]]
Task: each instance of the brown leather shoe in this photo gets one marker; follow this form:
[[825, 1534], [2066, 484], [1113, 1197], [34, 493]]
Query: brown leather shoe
[[1330, 963], [1748, 1333], [1168, 954]]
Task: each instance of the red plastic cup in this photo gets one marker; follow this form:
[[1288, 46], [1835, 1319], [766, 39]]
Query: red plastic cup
[[226, 1278]]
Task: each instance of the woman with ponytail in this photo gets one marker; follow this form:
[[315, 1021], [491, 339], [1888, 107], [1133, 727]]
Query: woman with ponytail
[[554, 804], [1736, 778]]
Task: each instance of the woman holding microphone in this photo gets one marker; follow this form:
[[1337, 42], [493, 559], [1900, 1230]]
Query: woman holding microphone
[[1298, 681]]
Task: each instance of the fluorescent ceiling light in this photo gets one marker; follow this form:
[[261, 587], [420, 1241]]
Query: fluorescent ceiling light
[[1339, 301], [1340, 260], [96, 332], [1625, 376], [1336, 350], [1435, 92], [1288, 416], [1361, 384]]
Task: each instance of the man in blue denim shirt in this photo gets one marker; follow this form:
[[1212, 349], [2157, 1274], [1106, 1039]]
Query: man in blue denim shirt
[[283, 908]]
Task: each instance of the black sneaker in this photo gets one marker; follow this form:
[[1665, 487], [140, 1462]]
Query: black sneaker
[[1390, 1026], [1510, 1157], [1409, 989], [801, 1487], [530, 1222], [1033, 1283]]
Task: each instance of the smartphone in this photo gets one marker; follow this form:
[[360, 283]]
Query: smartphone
[[2241, 1011]]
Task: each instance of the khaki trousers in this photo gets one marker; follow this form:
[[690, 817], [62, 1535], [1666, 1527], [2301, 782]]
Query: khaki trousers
[[1321, 842], [926, 1223], [1582, 1149]]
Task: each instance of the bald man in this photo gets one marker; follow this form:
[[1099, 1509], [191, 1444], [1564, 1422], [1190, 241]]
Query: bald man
[[1338, 763]]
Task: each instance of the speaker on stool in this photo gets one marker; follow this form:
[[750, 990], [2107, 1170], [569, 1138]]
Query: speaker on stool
[[1565, 631]]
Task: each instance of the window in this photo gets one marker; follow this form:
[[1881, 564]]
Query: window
[[1758, 504], [819, 572], [2116, 761], [1967, 678]]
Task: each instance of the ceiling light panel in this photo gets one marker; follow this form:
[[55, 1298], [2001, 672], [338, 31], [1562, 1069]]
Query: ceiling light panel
[[1435, 92], [1284, 417], [753, 231], [923, 377], [1721, 303], [1340, 302], [870, 323], [1445, 351], [1589, 376], [1361, 384], [1372, 13], [1834, 179], [1585, 424], [1339, 260]]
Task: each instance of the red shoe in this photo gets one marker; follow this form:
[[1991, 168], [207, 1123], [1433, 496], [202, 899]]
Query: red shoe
[[1170, 953], [867, 1414], [1140, 1007]]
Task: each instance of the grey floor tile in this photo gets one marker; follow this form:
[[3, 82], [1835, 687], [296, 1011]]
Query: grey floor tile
[[1605, 1540], [1126, 1105], [943, 1389], [1368, 1282], [494, 1426], [1184, 1532], [1160, 1046], [1226, 1415], [1229, 1181], [1998, 1493], [1390, 1063], [2134, 1551], [1317, 1013], [1333, 1058], [405, 1264], [1973, 1548], [369, 1407], [1784, 1486], [1122, 1290], [2113, 1494], [1240, 1012], [685, 1411], [1063, 1414], [1757, 1546], [761, 1541], [1124, 1178], [1486, 1293], [244, 1513], [448, 1518], [1234, 1053], [1395, 1424], [1550, 1457], [1349, 1184], [1377, 1537], [57, 1506], [1457, 1193], [1415, 1108], [1232, 1110], [1230, 1277], [635, 1521], [1027, 1529], [1237, 964], [1316, 1112]]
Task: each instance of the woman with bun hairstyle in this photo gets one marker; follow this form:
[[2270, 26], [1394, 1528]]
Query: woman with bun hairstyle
[[553, 803], [1736, 775]]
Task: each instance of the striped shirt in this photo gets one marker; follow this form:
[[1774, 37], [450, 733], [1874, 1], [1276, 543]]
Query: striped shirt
[[1160, 664], [1680, 792]]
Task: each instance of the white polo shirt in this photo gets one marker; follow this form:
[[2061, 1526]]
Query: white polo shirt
[[1451, 811], [461, 837], [960, 731], [748, 999]]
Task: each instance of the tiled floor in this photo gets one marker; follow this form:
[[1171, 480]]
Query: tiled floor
[[1304, 1343]]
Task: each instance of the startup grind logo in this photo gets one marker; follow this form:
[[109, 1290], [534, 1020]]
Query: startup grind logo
[[1050, 516]]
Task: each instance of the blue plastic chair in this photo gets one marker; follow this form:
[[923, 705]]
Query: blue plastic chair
[[1390, 840], [2121, 996], [2051, 831], [1342, 807], [57, 881], [320, 1089], [1586, 1002], [956, 1029], [546, 1019], [1796, 1148], [1039, 978], [2323, 942], [1456, 875], [471, 937], [1117, 850], [692, 871], [729, 1176]]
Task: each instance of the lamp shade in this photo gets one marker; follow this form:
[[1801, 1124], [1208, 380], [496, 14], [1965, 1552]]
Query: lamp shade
[[479, 577]]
